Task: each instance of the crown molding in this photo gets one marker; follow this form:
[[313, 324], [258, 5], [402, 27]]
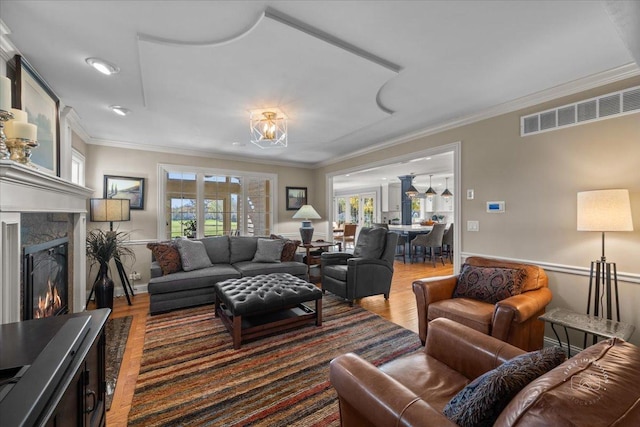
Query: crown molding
[[74, 122], [196, 153], [7, 49], [571, 88]]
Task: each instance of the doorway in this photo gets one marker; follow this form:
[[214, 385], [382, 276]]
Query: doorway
[[442, 163], [355, 208]]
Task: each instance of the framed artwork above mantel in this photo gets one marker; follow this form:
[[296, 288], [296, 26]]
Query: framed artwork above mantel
[[33, 95]]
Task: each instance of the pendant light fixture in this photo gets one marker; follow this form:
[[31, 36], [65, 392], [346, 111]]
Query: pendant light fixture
[[430, 191], [446, 193], [412, 191]]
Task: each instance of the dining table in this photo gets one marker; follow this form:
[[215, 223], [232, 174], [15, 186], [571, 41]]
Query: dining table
[[411, 231]]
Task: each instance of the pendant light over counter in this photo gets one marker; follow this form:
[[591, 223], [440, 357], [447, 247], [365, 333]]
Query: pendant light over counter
[[446, 193]]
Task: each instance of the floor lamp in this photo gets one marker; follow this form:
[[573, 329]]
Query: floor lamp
[[604, 210], [112, 210]]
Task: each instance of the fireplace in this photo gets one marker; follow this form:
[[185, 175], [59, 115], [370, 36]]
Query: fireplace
[[35, 208], [45, 267]]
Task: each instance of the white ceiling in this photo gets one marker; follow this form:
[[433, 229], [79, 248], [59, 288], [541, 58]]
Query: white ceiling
[[350, 75], [439, 166]]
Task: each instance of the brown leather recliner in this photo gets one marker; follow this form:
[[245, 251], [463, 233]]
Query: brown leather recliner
[[597, 387], [513, 320]]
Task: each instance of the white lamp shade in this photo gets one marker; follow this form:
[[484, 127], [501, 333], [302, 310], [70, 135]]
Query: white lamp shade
[[306, 212], [109, 210], [604, 210]]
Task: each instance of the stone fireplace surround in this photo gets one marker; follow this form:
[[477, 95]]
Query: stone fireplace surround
[[25, 190]]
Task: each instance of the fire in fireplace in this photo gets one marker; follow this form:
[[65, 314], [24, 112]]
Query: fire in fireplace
[[45, 281]]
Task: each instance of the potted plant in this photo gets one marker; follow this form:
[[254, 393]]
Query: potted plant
[[190, 228], [102, 247]]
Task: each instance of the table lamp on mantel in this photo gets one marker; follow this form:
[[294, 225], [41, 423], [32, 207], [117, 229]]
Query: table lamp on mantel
[[306, 230]]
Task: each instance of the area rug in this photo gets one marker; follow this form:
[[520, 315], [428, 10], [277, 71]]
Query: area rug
[[117, 332], [191, 375]]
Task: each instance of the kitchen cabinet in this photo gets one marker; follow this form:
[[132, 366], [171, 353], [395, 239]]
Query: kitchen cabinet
[[445, 204], [391, 197], [438, 204]]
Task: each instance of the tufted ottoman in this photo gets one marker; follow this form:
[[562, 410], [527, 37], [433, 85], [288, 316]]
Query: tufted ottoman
[[256, 306]]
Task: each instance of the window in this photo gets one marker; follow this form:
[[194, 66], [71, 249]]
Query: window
[[200, 202], [77, 167]]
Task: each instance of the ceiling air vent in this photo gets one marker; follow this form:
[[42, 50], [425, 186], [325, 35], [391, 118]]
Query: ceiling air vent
[[603, 107]]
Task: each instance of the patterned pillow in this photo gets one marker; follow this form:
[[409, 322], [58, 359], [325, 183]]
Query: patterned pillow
[[481, 402], [167, 256], [489, 284], [289, 249]]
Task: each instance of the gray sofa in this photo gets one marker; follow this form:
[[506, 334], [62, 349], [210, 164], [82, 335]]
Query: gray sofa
[[230, 257]]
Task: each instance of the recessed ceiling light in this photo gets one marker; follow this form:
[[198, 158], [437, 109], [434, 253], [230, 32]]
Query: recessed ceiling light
[[121, 111], [238, 144], [103, 66]]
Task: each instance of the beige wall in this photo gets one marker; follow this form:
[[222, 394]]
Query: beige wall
[[538, 177], [102, 160]]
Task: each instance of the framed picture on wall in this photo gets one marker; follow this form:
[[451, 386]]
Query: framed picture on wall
[[296, 197], [32, 95], [125, 187]]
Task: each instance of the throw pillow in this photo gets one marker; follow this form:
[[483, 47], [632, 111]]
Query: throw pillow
[[489, 284], [371, 243], [193, 254], [481, 402], [290, 248], [269, 250], [167, 256]]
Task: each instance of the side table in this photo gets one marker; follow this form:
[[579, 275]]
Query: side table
[[596, 326], [312, 260]]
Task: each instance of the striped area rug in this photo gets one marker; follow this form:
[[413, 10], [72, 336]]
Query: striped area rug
[[117, 331], [191, 375]]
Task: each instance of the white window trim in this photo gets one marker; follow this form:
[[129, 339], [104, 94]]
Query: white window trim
[[164, 168], [77, 157]]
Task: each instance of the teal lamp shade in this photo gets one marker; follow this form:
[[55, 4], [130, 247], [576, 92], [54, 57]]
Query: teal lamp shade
[[306, 212]]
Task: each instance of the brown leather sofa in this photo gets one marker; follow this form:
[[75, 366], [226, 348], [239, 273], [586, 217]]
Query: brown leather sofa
[[413, 390], [513, 320]]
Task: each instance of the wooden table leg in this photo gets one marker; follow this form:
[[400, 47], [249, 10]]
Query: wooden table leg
[[319, 312], [237, 332]]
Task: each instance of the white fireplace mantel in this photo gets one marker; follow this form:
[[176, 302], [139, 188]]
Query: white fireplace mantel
[[23, 189]]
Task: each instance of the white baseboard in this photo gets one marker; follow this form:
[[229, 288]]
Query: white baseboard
[[550, 342], [138, 288]]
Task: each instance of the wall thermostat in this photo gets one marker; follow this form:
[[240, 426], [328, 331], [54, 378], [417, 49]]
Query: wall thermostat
[[495, 207]]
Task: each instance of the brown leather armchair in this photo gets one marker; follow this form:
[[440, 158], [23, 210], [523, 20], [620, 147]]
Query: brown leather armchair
[[513, 320], [597, 387]]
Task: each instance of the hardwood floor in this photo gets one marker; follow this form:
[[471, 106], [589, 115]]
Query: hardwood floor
[[400, 309]]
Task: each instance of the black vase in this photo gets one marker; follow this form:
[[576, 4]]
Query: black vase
[[104, 288]]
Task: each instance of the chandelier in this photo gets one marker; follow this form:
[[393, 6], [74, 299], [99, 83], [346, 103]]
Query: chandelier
[[268, 128]]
